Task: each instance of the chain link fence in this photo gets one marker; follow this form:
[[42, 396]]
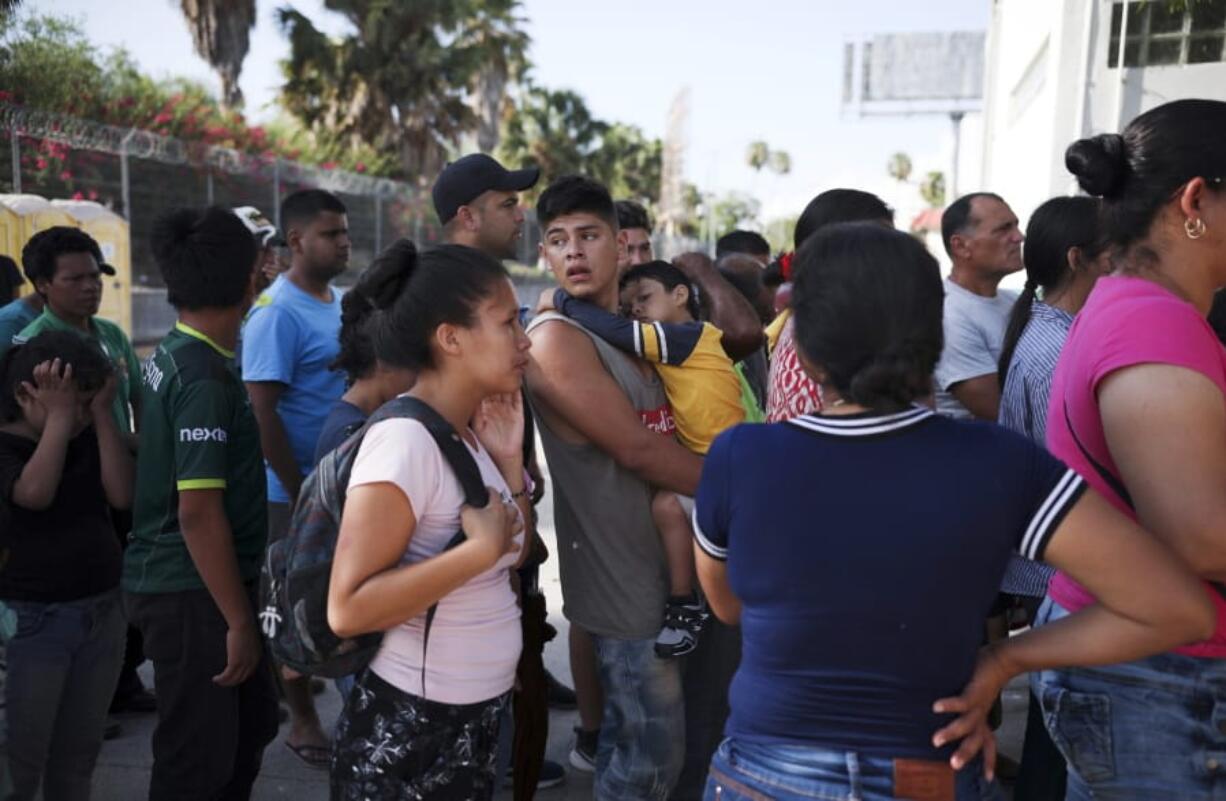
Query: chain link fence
[[139, 174]]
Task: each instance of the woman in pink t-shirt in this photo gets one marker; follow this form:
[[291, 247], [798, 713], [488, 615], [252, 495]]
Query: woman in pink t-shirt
[[1138, 407], [424, 723]]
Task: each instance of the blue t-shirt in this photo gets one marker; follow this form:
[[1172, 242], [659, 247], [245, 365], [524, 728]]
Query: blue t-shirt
[[343, 420], [14, 317], [291, 338], [866, 552]]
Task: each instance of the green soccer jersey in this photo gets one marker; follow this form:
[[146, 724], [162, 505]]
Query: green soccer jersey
[[197, 432], [114, 343]]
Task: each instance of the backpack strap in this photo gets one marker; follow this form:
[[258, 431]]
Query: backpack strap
[[1106, 475], [449, 442], [462, 464]]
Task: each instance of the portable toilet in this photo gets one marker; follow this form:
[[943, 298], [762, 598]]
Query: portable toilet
[[11, 242], [23, 216], [36, 213], [111, 232]]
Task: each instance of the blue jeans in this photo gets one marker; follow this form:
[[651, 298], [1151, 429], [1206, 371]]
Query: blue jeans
[[752, 772], [63, 664], [1154, 728], [642, 737]]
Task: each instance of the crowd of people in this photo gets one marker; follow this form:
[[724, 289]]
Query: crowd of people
[[804, 505]]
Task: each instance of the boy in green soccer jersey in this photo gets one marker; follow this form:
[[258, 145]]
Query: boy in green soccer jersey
[[200, 521]]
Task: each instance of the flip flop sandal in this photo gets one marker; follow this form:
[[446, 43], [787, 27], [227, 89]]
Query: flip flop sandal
[[315, 756]]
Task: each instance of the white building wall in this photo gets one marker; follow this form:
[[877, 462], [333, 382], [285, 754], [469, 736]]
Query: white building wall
[[1048, 83]]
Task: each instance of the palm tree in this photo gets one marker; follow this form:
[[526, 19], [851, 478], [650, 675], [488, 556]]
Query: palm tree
[[402, 80], [220, 31], [757, 155], [497, 32], [553, 130], [780, 162], [899, 167]]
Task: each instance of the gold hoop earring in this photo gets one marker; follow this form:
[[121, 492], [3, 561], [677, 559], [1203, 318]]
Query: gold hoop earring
[[1194, 227]]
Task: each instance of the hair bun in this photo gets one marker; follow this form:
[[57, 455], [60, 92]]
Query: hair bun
[[387, 276], [1099, 163]]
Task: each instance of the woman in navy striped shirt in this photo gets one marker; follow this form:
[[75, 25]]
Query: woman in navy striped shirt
[[1065, 253], [861, 575]]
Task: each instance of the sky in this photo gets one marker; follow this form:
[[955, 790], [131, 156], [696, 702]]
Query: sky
[[766, 70]]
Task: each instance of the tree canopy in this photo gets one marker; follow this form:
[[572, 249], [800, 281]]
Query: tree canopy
[[401, 80], [555, 130]]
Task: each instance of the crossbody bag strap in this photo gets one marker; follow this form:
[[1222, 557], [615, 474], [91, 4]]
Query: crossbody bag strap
[[1106, 475], [1118, 487]]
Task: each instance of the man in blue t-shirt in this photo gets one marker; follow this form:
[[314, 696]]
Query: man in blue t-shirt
[[289, 342]]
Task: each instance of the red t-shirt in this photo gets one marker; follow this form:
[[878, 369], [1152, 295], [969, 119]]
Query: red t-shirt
[[1125, 322]]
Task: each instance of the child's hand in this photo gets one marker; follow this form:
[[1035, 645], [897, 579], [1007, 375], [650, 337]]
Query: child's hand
[[545, 303], [100, 406], [53, 389]]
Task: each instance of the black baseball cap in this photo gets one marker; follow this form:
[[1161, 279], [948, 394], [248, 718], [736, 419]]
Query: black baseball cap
[[462, 181]]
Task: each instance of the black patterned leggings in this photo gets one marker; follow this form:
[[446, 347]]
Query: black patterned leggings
[[392, 745]]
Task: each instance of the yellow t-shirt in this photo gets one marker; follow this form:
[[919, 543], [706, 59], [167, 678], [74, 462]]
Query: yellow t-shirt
[[703, 390]]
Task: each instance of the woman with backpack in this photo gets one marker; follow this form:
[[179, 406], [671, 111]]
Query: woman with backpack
[[422, 722]]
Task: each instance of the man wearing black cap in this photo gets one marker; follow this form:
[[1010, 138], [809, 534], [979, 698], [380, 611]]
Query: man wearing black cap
[[476, 201]]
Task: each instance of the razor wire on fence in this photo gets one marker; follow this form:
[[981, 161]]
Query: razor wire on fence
[[140, 174]]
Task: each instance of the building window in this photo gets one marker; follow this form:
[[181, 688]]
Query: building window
[[1169, 32]]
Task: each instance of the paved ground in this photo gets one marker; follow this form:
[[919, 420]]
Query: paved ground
[[123, 769]]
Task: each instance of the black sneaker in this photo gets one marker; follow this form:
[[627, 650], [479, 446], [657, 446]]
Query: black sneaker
[[683, 620], [583, 755]]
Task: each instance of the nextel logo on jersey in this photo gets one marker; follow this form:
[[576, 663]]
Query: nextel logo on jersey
[[202, 435]]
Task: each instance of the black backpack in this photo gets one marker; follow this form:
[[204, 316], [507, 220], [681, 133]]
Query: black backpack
[[298, 567]]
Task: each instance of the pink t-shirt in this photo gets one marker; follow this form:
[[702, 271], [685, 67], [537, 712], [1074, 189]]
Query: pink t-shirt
[[1125, 322], [475, 639]]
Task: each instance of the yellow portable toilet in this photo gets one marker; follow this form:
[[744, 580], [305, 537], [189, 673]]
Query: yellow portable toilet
[[111, 232], [33, 213], [36, 214], [11, 242]]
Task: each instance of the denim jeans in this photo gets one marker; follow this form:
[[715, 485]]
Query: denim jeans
[[63, 664], [642, 737], [1154, 728], [752, 772]]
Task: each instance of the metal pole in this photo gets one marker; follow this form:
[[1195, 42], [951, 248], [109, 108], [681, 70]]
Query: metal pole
[[124, 176], [1119, 66], [956, 118], [378, 223], [276, 192], [16, 149], [208, 186]]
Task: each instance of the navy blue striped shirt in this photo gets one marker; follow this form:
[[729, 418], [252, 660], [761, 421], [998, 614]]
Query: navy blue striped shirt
[[866, 552], [1023, 399]]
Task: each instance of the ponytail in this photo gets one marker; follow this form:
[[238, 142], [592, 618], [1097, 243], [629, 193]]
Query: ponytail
[[1018, 317]]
